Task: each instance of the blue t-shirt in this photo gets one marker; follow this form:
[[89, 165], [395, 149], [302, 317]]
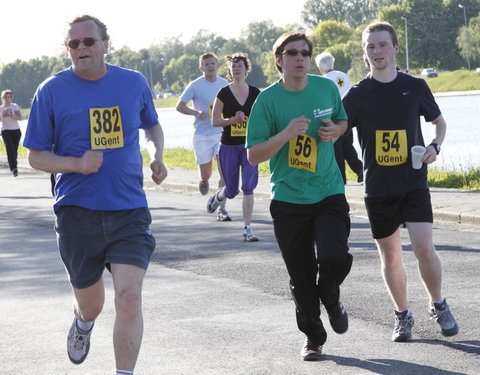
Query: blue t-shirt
[[71, 115]]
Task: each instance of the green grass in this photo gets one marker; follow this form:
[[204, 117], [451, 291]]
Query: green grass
[[166, 103], [185, 159], [22, 151], [25, 113], [469, 180], [458, 80], [437, 177]]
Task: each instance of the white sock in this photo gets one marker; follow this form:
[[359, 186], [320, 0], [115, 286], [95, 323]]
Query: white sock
[[124, 372], [221, 192], [84, 326]]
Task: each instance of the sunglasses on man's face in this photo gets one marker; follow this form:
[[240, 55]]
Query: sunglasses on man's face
[[295, 52], [87, 42]]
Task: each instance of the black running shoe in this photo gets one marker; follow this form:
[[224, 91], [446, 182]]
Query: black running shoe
[[338, 318], [311, 351]]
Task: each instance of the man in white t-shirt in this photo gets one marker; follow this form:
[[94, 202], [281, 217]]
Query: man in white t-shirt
[[344, 150], [325, 62], [206, 138]]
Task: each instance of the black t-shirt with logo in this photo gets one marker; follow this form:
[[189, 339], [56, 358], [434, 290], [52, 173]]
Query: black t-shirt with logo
[[387, 118]]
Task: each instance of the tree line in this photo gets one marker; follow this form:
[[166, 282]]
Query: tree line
[[437, 38]]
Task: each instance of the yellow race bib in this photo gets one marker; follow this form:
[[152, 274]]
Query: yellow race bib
[[239, 129], [106, 130], [210, 111], [391, 147], [302, 153]]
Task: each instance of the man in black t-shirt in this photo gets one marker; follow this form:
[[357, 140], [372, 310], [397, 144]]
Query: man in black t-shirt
[[386, 107]]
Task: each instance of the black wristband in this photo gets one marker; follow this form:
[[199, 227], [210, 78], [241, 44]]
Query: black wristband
[[436, 147]]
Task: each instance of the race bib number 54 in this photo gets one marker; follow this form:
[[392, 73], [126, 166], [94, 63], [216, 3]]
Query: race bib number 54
[[302, 153], [106, 130], [391, 147]]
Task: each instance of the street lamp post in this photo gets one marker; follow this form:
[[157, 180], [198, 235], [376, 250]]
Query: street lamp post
[[150, 81], [406, 43], [466, 33]]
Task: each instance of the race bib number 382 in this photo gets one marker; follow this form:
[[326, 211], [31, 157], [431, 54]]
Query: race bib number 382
[[391, 147], [106, 130]]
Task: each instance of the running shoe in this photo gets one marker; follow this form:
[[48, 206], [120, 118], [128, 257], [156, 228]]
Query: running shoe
[[78, 343], [213, 203], [403, 326], [248, 235], [15, 172], [203, 187], [311, 351], [338, 318], [443, 316], [222, 215]]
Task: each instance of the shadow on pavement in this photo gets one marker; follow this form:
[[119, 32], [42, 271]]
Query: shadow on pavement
[[389, 366]]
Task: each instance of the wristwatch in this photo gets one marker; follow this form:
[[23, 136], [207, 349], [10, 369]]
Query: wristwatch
[[436, 146]]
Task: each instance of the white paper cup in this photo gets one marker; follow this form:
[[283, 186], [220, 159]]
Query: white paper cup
[[417, 155]]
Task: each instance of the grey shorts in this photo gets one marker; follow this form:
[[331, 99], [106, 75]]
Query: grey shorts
[[90, 240]]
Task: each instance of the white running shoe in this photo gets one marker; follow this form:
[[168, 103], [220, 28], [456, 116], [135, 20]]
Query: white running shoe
[[78, 343], [222, 215], [248, 235], [443, 316]]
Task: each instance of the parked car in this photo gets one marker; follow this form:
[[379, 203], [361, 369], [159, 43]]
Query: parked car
[[429, 72]]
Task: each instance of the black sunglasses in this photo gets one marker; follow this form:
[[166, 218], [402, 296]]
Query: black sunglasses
[[87, 42], [295, 52]]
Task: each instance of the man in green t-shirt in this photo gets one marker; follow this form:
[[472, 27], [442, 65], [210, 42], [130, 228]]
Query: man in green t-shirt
[[293, 124]]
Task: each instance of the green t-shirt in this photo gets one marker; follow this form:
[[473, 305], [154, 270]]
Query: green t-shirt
[[304, 171]]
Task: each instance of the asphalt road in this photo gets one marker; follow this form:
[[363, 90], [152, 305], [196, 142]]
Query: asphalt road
[[216, 305]]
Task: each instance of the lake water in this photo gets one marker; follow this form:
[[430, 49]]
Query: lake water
[[460, 150]]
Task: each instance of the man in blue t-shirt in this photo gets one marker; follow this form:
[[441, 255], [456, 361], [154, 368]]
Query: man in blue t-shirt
[[83, 127], [385, 107]]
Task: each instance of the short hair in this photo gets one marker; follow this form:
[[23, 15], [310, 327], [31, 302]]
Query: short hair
[[325, 60], [236, 57], [5, 92], [102, 28], [286, 38], [380, 26], [206, 56]]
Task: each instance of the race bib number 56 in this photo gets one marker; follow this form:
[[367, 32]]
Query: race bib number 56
[[302, 153], [391, 147], [106, 130]]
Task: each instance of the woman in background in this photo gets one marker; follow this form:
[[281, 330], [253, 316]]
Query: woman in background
[[11, 133], [231, 110]]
